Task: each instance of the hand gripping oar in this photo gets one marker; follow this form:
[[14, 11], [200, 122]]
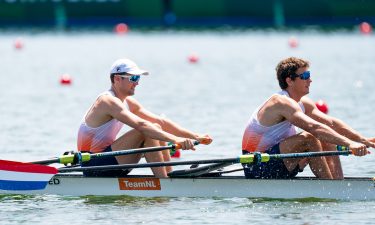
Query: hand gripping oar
[[246, 159], [78, 157]]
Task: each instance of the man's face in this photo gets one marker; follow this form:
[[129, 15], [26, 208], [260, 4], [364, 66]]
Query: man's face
[[302, 81], [128, 83]]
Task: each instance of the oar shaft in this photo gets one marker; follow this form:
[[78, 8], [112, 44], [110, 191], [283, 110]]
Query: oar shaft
[[129, 151], [309, 154], [47, 161], [147, 165], [85, 157], [250, 158]]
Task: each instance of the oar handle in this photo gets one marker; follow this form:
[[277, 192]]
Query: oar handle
[[175, 147], [178, 146]]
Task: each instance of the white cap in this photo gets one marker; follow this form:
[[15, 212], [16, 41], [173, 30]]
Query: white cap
[[126, 66]]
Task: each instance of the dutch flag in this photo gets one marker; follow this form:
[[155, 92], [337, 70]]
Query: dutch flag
[[24, 176]]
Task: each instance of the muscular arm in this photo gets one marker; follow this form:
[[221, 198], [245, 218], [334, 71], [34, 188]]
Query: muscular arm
[[292, 112], [167, 124], [336, 124], [116, 109]]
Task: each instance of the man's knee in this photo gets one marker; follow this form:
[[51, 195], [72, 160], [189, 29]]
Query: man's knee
[[138, 134], [308, 136], [310, 139]]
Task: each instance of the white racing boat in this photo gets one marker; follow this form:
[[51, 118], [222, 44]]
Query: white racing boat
[[36, 178], [223, 186]]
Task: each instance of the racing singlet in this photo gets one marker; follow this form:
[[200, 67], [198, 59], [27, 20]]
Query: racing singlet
[[259, 138], [96, 139]]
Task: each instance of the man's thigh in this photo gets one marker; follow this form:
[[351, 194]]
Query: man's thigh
[[295, 144], [130, 140]]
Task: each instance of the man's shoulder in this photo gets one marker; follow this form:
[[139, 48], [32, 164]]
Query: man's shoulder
[[275, 104], [280, 103], [107, 100], [106, 97], [281, 100]]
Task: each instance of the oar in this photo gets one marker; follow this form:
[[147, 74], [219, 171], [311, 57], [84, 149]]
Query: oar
[[78, 157], [246, 159]]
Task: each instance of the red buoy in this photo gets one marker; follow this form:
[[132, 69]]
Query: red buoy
[[365, 28], [121, 28], [18, 44], [193, 58], [65, 79], [177, 154], [322, 106], [293, 42]]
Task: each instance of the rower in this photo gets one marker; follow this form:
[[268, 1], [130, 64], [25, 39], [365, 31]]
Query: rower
[[272, 129], [117, 107]]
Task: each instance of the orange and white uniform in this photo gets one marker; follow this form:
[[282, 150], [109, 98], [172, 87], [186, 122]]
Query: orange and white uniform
[[96, 139], [259, 138]]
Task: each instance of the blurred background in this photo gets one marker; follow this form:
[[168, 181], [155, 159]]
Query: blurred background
[[70, 14], [211, 63]]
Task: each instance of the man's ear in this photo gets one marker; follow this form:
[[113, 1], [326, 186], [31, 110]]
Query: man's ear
[[289, 81]]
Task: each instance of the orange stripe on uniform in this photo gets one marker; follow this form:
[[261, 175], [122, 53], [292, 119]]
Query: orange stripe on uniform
[[250, 141]]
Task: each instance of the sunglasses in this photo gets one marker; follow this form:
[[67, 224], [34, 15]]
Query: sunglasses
[[304, 76], [132, 78]]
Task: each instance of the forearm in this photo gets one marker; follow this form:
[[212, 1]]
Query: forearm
[[326, 134], [173, 128], [345, 130], [154, 132]]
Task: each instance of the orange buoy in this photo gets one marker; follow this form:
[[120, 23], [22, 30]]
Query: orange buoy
[[293, 42], [322, 106], [65, 79], [121, 28], [365, 28], [193, 58]]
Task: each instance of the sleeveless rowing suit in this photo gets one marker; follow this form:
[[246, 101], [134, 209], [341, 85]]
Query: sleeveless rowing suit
[[99, 139], [259, 138], [96, 139]]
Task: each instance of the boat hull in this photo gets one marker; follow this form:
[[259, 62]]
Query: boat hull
[[225, 186]]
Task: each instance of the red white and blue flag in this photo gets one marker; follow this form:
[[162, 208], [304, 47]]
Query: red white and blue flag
[[24, 176]]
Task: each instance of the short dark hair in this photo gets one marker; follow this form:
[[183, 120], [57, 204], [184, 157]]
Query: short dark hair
[[288, 67]]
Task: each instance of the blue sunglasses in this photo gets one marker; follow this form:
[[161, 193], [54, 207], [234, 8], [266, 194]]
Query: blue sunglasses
[[304, 76], [132, 78]]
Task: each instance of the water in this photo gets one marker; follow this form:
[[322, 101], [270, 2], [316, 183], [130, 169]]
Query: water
[[40, 118]]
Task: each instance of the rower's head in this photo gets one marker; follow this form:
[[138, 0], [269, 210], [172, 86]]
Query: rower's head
[[290, 69], [125, 75], [125, 67]]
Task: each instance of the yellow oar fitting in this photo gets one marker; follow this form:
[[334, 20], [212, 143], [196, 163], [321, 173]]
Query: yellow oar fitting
[[246, 159], [86, 157], [65, 159], [75, 158]]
